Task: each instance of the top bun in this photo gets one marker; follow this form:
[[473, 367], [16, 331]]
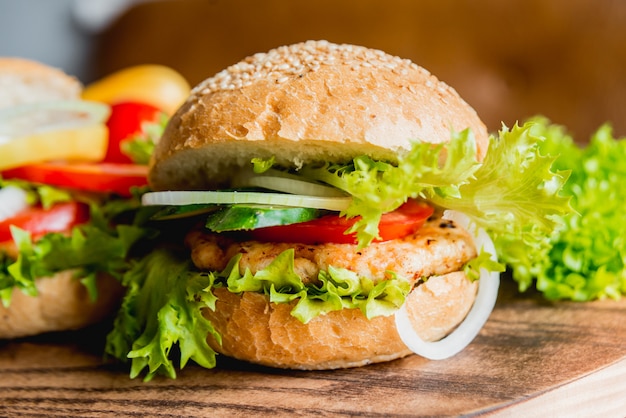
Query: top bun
[[307, 102], [23, 81]]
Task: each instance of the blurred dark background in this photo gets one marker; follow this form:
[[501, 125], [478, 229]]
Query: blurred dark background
[[565, 59]]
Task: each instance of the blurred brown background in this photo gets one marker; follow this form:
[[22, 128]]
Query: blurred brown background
[[565, 59]]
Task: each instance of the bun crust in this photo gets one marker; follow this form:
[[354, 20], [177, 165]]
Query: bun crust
[[315, 101], [257, 331], [23, 81], [62, 304]]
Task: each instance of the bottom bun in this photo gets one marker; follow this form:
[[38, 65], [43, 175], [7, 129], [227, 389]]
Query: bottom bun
[[257, 331], [63, 303]]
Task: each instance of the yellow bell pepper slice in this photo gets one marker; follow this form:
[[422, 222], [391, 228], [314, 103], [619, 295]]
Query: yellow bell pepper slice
[[85, 143], [68, 130], [158, 85]]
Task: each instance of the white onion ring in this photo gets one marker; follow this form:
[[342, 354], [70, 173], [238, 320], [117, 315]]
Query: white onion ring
[[476, 318], [13, 200], [181, 197], [285, 182]]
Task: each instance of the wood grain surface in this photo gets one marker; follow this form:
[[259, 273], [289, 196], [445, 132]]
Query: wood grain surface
[[533, 358]]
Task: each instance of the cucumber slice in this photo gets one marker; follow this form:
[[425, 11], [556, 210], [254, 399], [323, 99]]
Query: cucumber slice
[[246, 217], [184, 211]]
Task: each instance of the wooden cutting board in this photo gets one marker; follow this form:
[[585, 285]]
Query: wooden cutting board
[[533, 358]]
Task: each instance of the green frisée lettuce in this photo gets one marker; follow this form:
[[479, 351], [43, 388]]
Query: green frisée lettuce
[[513, 194], [339, 289], [88, 251], [585, 258], [162, 308], [139, 147]]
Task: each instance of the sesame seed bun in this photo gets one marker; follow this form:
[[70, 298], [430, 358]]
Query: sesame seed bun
[[24, 81], [313, 101]]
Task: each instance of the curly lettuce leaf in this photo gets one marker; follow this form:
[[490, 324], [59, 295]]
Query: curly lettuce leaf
[[162, 307], [515, 196], [485, 261], [261, 166], [87, 251], [513, 193], [91, 248], [586, 257], [140, 147], [513, 188], [340, 289]]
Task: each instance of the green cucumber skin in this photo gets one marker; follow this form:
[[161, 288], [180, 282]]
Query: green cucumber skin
[[241, 217]]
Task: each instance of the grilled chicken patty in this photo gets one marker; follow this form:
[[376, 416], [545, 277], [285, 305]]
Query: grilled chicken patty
[[437, 248]]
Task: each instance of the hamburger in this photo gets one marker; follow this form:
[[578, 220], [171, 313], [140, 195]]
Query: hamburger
[[335, 206], [64, 238]]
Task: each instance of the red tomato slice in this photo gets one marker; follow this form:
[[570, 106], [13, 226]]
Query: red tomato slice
[[126, 120], [103, 177], [405, 220], [39, 221]]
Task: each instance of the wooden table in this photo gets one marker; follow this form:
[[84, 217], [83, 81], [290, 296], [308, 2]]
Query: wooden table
[[533, 358]]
